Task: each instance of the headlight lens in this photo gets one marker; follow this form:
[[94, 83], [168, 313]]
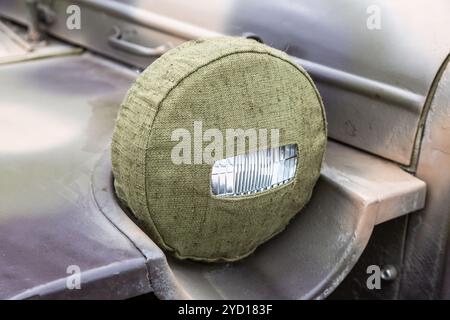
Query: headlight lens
[[254, 172]]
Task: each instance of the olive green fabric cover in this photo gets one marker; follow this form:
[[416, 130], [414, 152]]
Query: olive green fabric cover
[[225, 83]]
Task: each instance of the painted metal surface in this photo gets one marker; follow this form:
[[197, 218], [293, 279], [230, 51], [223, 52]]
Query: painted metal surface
[[56, 118], [310, 258], [62, 112], [99, 25], [385, 247], [374, 89], [426, 272], [374, 82], [418, 244], [161, 277], [14, 46]]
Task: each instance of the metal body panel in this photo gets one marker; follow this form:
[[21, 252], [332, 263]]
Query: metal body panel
[[160, 275], [56, 118], [355, 192], [417, 245], [15, 48], [426, 273], [61, 113], [98, 25], [385, 248], [374, 82], [374, 101]]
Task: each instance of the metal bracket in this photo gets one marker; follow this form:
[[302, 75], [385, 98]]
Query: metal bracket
[[38, 14]]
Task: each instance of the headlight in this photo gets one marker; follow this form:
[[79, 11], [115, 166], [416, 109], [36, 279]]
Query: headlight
[[191, 152], [254, 172]]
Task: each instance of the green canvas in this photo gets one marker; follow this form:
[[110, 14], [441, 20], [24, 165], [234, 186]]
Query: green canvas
[[224, 82]]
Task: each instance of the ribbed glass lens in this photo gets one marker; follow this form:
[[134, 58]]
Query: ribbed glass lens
[[254, 172]]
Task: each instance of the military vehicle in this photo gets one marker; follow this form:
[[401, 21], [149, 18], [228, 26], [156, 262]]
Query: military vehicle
[[377, 225]]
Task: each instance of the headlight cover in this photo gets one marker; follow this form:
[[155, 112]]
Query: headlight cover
[[236, 88]]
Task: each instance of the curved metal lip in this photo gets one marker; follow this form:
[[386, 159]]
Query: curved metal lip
[[160, 275], [95, 275], [164, 279]]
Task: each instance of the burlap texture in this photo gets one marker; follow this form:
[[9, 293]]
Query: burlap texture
[[225, 83]]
